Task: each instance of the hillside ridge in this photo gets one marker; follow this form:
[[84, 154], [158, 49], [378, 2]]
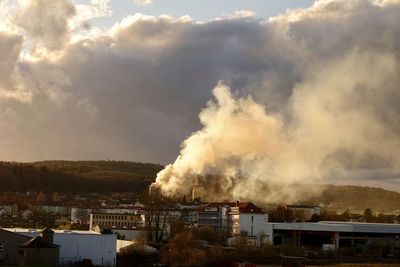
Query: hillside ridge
[[125, 176]]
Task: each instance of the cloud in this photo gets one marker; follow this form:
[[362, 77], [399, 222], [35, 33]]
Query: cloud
[[143, 2], [326, 76], [47, 21], [240, 14], [96, 9], [10, 49]]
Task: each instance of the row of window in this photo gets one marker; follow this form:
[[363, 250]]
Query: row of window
[[127, 224], [111, 217]]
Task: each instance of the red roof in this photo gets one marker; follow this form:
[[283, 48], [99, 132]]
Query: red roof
[[249, 207]]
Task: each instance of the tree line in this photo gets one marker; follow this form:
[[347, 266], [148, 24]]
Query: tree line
[[22, 177]]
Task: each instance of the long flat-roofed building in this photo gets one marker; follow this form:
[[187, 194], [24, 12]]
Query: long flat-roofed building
[[121, 221], [333, 235]]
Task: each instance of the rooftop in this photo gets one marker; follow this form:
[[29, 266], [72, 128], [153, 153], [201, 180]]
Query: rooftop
[[38, 242], [331, 226], [244, 207], [56, 231]]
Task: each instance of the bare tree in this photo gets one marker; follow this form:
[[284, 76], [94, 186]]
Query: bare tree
[[157, 216]]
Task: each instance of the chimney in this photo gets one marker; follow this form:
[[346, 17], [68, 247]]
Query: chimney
[[154, 191], [47, 235], [237, 203], [193, 193]]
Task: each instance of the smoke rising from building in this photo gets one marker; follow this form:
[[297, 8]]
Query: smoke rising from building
[[329, 116], [323, 82], [338, 123]]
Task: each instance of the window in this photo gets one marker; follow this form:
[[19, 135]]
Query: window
[[1, 245]]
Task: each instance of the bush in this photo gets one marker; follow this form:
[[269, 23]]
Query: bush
[[181, 251]]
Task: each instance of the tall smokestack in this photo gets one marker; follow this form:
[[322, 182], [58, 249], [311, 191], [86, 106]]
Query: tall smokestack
[[154, 190], [193, 193]]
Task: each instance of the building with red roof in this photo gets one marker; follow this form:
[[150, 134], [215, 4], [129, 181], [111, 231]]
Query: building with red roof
[[236, 218]]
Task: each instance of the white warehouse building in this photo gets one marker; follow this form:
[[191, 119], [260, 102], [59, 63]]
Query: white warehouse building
[[78, 245]]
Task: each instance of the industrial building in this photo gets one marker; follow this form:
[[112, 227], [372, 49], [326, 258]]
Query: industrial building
[[75, 246], [333, 235], [127, 226], [110, 221]]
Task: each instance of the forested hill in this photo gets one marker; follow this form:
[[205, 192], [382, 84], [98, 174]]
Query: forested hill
[[77, 176], [359, 197], [124, 176], [103, 169]]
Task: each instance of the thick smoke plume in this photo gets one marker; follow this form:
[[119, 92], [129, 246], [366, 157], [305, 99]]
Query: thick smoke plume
[[238, 137], [336, 126], [324, 85], [326, 111]]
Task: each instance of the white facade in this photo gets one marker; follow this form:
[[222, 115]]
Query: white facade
[[253, 223], [101, 249], [79, 245]]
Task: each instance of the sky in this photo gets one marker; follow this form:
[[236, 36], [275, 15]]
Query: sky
[[205, 10], [198, 83]]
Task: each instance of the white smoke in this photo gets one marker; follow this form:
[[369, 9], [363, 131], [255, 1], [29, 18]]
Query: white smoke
[[335, 126]]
